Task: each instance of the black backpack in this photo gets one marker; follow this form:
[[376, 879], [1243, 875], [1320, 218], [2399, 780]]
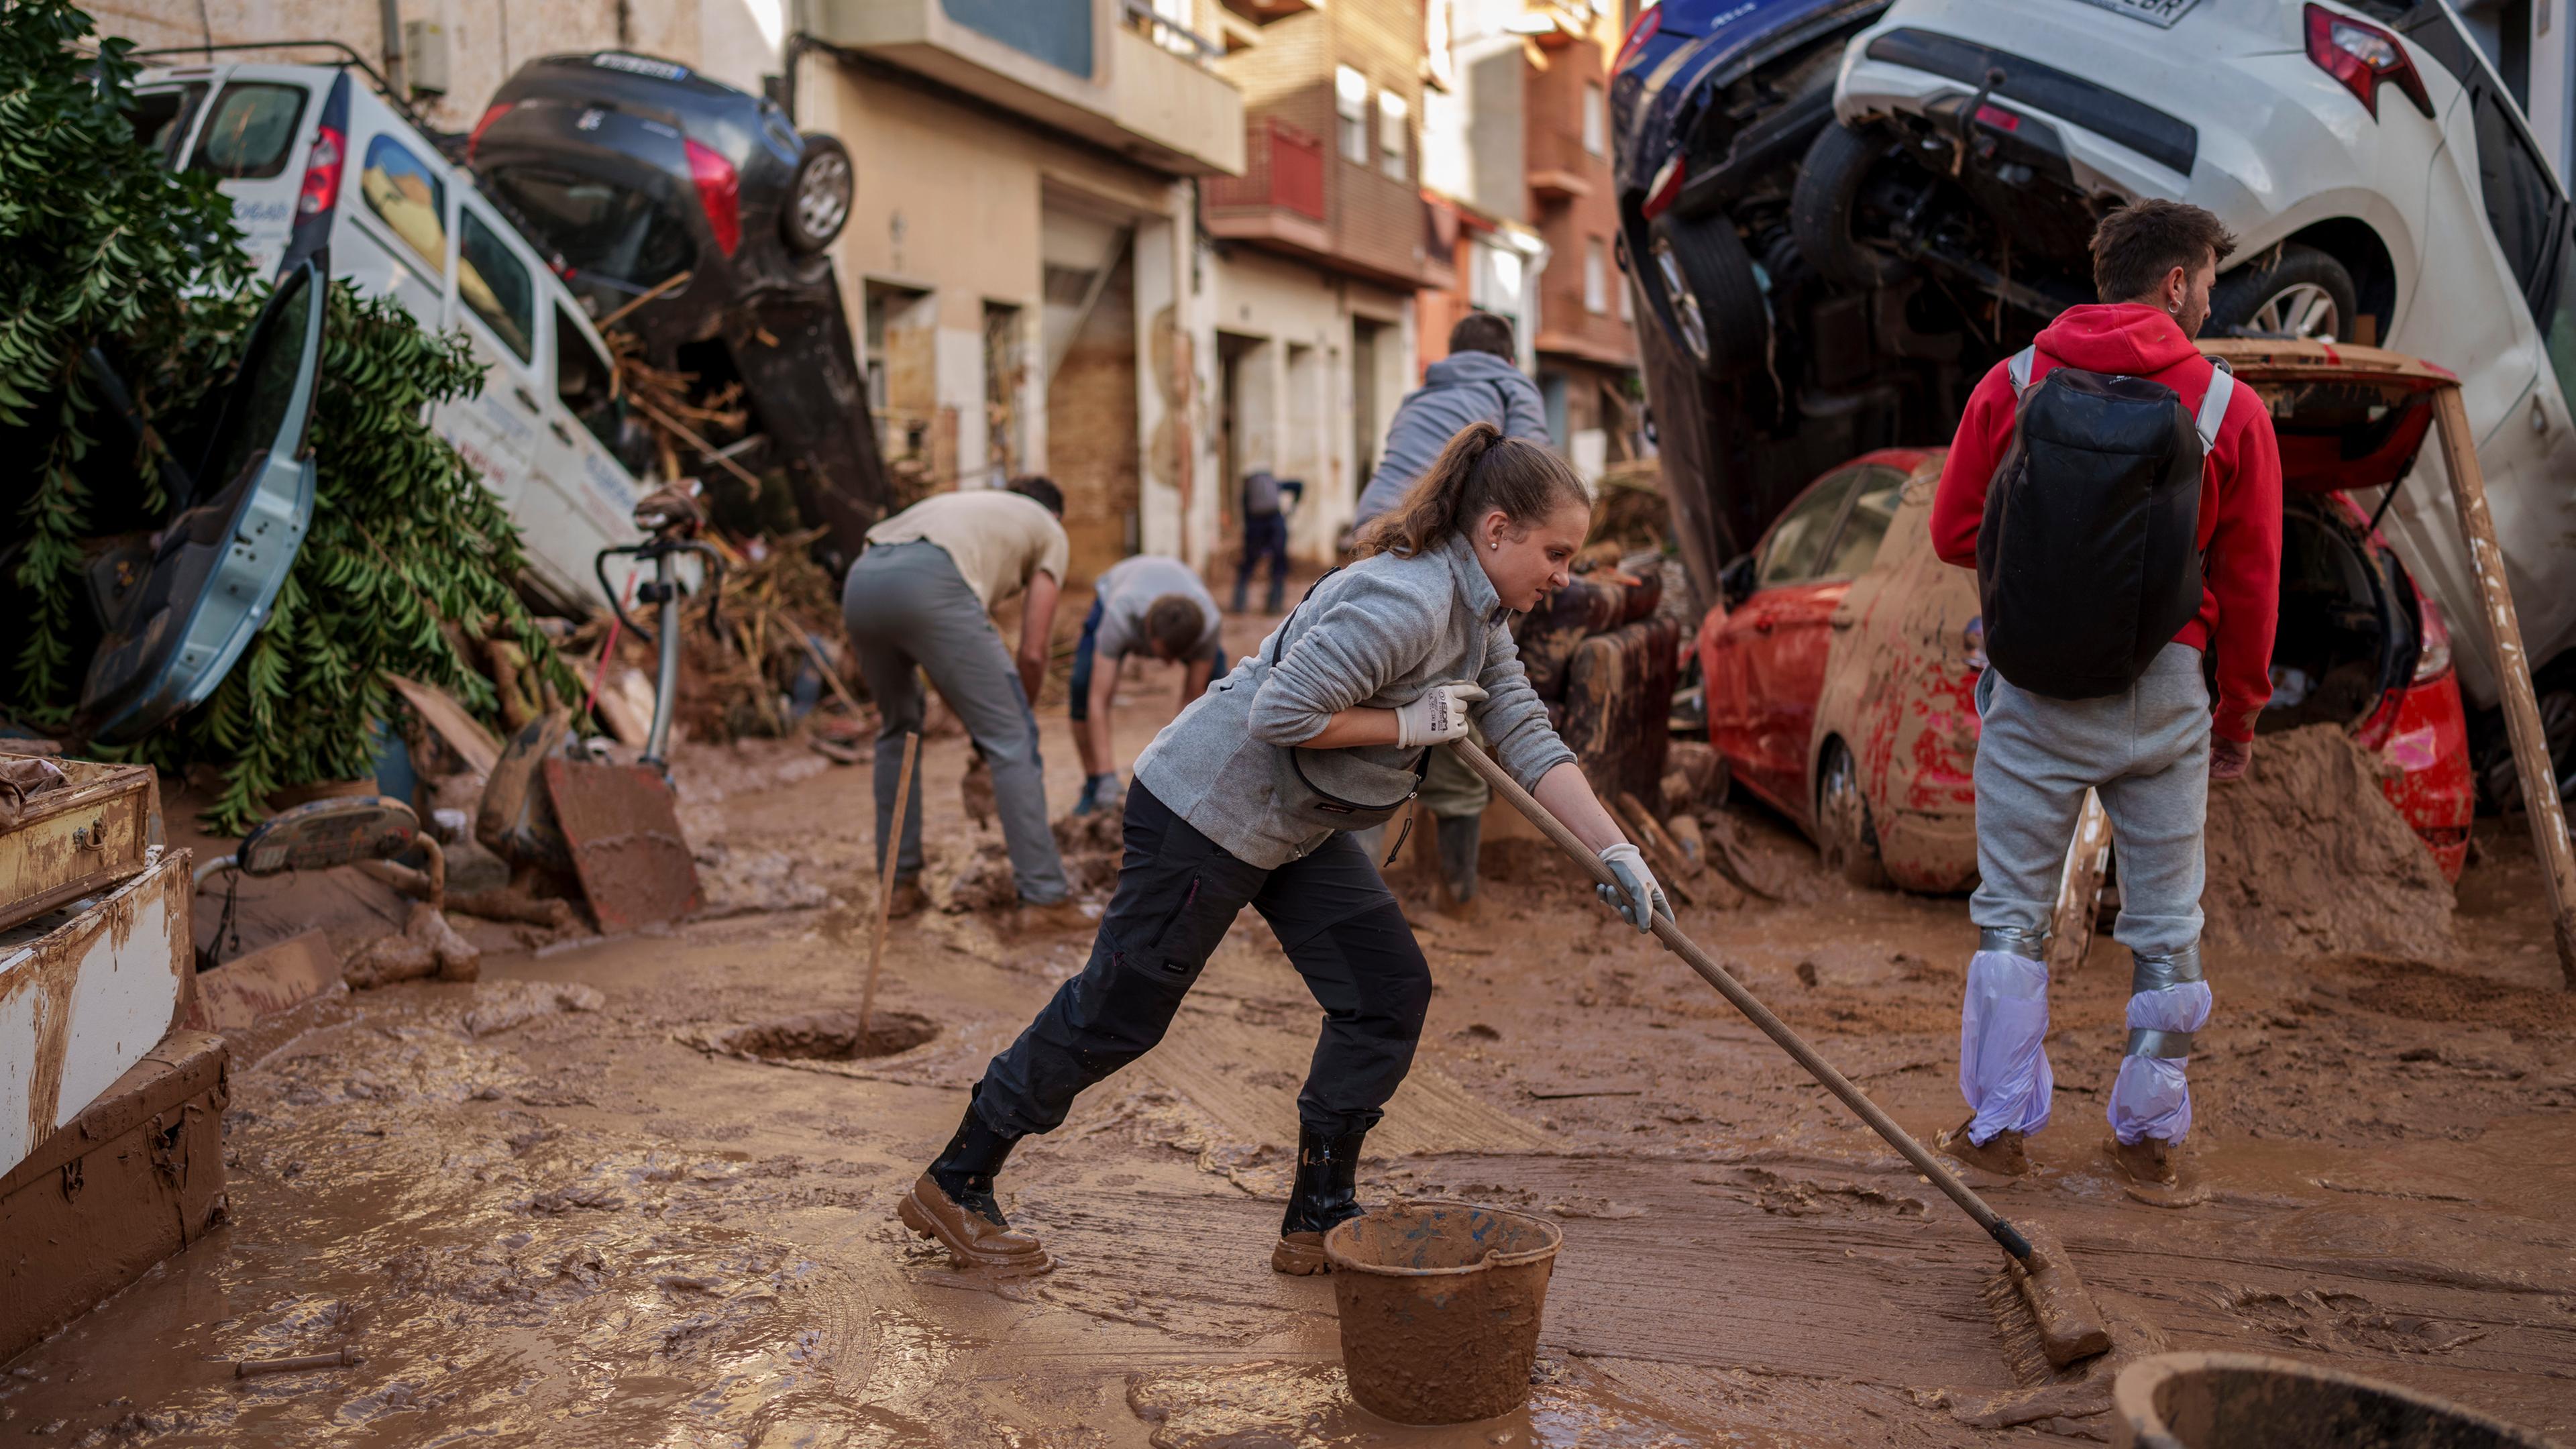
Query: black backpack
[[2088, 561]]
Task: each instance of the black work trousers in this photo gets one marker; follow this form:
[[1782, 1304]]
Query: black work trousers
[[1178, 892]]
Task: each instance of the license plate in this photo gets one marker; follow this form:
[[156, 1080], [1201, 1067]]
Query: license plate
[[2159, 13]]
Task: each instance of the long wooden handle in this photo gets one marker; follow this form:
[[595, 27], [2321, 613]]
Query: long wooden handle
[[885, 886], [2513, 676], [1754, 1011]]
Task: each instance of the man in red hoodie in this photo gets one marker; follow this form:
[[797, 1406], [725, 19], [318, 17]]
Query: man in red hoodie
[[2151, 751]]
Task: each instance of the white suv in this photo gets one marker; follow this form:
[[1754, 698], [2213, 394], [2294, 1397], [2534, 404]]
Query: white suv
[[2382, 184], [317, 163]]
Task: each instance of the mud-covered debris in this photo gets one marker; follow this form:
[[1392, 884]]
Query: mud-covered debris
[[502, 1005], [428, 946], [749, 882], [986, 884], [2307, 857]]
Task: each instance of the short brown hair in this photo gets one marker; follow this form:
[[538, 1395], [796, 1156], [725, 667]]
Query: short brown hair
[[1480, 471], [2135, 246], [1174, 623], [1483, 332]]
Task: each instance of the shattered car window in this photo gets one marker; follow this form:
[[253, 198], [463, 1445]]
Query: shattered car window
[[597, 227]]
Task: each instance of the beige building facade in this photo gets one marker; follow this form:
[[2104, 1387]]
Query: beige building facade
[[1022, 267]]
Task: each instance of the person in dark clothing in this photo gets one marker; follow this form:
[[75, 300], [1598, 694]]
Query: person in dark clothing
[[1384, 660], [1265, 534]]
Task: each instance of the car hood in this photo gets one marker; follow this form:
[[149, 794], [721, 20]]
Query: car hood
[[1653, 109]]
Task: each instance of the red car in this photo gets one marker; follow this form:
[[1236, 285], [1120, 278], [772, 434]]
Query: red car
[[1841, 667]]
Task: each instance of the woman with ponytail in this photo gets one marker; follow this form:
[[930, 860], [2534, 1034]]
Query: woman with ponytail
[[1250, 798]]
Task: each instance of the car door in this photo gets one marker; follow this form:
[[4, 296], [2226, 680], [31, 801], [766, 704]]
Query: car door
[[501, 430], [217, 567], [1789, 659], [1757, 655]]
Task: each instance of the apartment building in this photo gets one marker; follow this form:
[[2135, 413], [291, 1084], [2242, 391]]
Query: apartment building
[[1517, 131], [1320, 247]]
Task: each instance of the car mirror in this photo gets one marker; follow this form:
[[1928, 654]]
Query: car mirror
[[1735, 581], [220, 563]]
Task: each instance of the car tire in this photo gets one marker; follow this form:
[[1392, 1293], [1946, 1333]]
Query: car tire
[[1821, 209], [818, 199], [1700, 282], [2298, 291], [1846, 836]]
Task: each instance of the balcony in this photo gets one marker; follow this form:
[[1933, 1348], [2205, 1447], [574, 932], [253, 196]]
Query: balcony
[[1280, 195], [1296, 197], [1112, 72]]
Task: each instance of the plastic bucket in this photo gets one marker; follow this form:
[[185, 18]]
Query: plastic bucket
[[2252, 1401], [1440, 1304]]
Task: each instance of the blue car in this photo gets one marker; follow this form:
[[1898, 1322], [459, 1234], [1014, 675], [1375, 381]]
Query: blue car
[[1761, 372]]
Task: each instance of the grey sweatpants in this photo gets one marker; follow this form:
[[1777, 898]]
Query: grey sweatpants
[[2147, 753], [907, 607]]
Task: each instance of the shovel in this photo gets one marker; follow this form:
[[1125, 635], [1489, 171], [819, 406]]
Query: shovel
[[2069, 1323]]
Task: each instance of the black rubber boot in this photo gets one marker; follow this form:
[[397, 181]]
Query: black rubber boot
[[1242, 591], [966, 1167], [1459, 838], [953, 1204], [1322, 1196]]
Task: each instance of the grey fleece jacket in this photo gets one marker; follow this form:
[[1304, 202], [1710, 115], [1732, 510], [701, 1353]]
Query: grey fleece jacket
[[1462, 388], [1375, 635]]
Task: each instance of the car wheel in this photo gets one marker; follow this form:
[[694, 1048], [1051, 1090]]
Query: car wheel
[[2555, 689], [1845, 835], [818, 199], [2302, 292], [1702, 286], [1827, 212]]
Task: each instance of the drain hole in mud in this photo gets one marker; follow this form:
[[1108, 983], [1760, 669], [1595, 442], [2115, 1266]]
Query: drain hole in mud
[[831, 1036]]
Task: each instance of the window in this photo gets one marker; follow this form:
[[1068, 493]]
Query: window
[[1797, 541], [1350, 104], [1391, 136], [496, 285], [2521, 198], [1856, 547], [250, 133], [1627, 300], [161, 119], [601, 230], [1596, 276], [410, 201], [1596, 120]]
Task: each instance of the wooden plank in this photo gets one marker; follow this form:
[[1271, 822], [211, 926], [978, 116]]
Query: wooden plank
[[2513, 675], [461, 731]]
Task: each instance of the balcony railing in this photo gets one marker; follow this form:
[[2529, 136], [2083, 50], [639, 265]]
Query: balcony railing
[[1283, 168], [1168, 33]]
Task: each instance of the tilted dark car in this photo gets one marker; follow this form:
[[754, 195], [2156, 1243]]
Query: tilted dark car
[[633, 171]]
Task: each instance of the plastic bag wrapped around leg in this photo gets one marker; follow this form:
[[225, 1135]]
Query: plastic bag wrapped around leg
[[2152, 1097], [2003, 1052]]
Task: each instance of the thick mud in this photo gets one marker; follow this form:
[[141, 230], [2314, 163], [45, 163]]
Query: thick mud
[[557, 1207], [2306, 856]]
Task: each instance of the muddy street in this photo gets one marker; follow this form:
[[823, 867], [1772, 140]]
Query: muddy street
[[637, 1191]]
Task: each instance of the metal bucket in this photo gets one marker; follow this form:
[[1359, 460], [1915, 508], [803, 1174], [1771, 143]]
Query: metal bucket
[[2253, 1401], [1440, 1305]]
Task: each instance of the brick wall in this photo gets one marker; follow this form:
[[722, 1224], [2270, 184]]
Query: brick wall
[[1572, 223]]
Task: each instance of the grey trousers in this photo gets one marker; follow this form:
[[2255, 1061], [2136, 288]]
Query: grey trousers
[[908, 608], [2146, 751]]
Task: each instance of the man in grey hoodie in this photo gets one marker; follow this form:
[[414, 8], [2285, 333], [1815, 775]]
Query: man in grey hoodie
[[1476, 383]]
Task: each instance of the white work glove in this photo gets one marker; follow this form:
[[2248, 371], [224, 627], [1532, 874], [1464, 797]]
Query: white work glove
[[1439, 716], [1637, 898]]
